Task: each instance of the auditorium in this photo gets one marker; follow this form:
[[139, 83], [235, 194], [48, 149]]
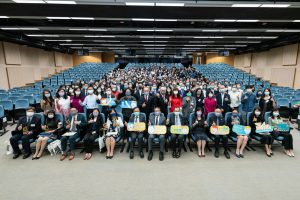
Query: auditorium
[[149, 99]]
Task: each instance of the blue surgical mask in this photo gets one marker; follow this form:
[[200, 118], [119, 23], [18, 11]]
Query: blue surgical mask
[[136, 113], [157, 113], [47, 95], [218, 114], [128, 93]]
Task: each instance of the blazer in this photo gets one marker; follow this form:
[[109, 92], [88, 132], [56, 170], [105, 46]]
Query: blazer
[[160, 102], [35, 125], [95, 126], [226, 104], [214, 118], [80, 118], [172, 119], [162, 119], [149, 104], [141, 117]]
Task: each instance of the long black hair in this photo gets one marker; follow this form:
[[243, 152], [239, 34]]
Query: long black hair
[[49, 100]]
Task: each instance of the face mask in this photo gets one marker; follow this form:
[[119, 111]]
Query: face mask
[[222, 90], [210, 95], [61, 94], [113, 114], [108, 92], [47, 95], [50, 116], [259, 94], [199, 113], [146, 93], [128, 93], [90, 91], [177, 113], [175, 92], [77, 92], [189, 94], [157, 113], [218, 114], [249, 91], [73, 114], [234, 114], [163, 92], [233, 89], [136, 113], [29, 113], [113, 89], [267, 93], [70, 91], [95, 114], [257, 113], [276, 114]]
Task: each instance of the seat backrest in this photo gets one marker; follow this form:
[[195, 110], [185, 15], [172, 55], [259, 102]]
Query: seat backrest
[[7, 104], [21, 104], [60, 117], [41, 116], [283, 102], [3, 96], [209, 115], [227, 116], [84, 116], [266, 117], [1, 111], [248, 118]]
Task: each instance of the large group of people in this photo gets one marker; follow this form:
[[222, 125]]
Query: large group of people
[[163, 96]]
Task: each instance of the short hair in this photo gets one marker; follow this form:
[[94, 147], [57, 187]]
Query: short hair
[[30, 108]]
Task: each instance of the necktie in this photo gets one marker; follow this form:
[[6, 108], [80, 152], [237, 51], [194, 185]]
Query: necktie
[[217, 121], [177, 121], [156, 120]]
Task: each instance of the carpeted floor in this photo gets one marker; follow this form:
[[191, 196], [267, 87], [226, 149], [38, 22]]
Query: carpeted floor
[[255, 177]]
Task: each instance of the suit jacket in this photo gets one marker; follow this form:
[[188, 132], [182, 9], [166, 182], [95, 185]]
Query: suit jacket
[[80, 118], [96, 126], [141, 117], [182, 120], [162, 119], [214, 118], [160, 102], [226, 104], [35, 125], [138, 95], [149, 104]]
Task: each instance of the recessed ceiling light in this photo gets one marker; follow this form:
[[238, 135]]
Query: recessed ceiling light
[[83, 18], [58, 40], [141, 19], [28, 28], [58, 17], [274, 5], [170, 4], [145, 30], [8, 28], [210, 30], [229, 30], [40, 35], [247, 20], [3, 17], [138, 4], [91, 36], [296, 20], [166, 20], [77, 29], [246, 5], [275, 30], [163, 30], [28, 1], [199, 37], [70, 44], [97, 29], [224, 20], [61, 2]]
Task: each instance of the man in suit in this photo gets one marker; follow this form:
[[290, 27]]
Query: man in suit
[[136, 117], [223, 100], [218, 120], [156, 118], [28, 127], [139, 92], [74, 123], [161, 100], [176, 118], [146, 102], [84, 91], [109, 98]]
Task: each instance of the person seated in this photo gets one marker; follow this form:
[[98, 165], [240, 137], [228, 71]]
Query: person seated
[[50, 128], [242, 140], [74, 123], [266, 139], [218, 120], [113, 124], [136, 117], [156, 118], [176, 118], [198, 130], [287, 142], [94, 126], [28, 127]]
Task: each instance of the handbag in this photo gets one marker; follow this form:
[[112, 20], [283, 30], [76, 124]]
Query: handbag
[[54, 147]]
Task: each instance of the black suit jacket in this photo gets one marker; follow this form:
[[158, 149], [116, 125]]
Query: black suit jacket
[[213, 119], [141, 117], [149, 104], [226, 104], [35, 126], [172, 120], [160, 102]]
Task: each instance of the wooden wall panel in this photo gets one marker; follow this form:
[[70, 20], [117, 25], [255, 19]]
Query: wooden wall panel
[[12, 53], [290, 54]]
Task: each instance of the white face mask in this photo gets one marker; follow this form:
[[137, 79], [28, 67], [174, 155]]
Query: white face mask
[[175, 92], [29, 114], [77, 92], [90, 91], [50, 116], [210, 95], [257, 113], [108, 92]]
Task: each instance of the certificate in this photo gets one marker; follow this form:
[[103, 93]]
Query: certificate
[[183, 130], [138, 127], [241, 130], [69, 134], [263, 128], [157, 129], [219, 130], [283, 127]]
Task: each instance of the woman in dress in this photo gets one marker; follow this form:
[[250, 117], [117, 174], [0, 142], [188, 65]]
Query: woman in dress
[[198, 130], [62, 103]]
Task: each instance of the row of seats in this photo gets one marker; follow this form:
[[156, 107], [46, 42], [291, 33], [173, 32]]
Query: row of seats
[[148, 65]]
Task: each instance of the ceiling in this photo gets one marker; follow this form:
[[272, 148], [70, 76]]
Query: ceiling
[[150, 27]]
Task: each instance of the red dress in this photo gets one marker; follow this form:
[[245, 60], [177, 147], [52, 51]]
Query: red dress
[[175, 102], [210, 105]]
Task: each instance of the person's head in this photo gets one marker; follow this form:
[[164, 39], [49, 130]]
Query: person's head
[[30, 111], [249, 90], [61, 94], [199, 92], [163, 90], [90, 90], [113, 113], [175, 92], [210, 94], [199, 111], [146, 90], [96, 112], [157, 111], [222, 88], [235, 113], [257, 111], [77, 92], [275, 113], [176, 110], [234, 88], [108, 91], [51, 114], [113, 88], [127, 92], [169, 90], [136, 111], [46, 94], [73, 112], [259, 93], [218, 112], [189, 93], [267, 92]]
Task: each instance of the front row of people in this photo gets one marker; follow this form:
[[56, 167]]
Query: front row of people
[[74, 128]]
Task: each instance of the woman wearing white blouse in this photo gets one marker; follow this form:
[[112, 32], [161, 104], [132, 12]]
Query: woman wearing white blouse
[[113, 126], [235, 97], [62, 103]]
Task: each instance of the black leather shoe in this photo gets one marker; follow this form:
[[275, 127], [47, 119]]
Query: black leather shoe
[[237, 155], [178, 154], [161, 156], [174, 154], [131, 155], [227, 154], [150, 155], [141, 154], [16, 156], [241, 155], [26, 155], [217, 154]]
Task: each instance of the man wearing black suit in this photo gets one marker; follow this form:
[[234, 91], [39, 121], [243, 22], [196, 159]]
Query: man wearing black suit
[[136, 117], [146, 102], [176, 118], [109, 97], [223, 100], [161, 100], [156, 118], [139, 92], [218, 120], [27, 128]]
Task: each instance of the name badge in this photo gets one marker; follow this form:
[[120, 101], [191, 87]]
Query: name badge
[[32, 125]]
